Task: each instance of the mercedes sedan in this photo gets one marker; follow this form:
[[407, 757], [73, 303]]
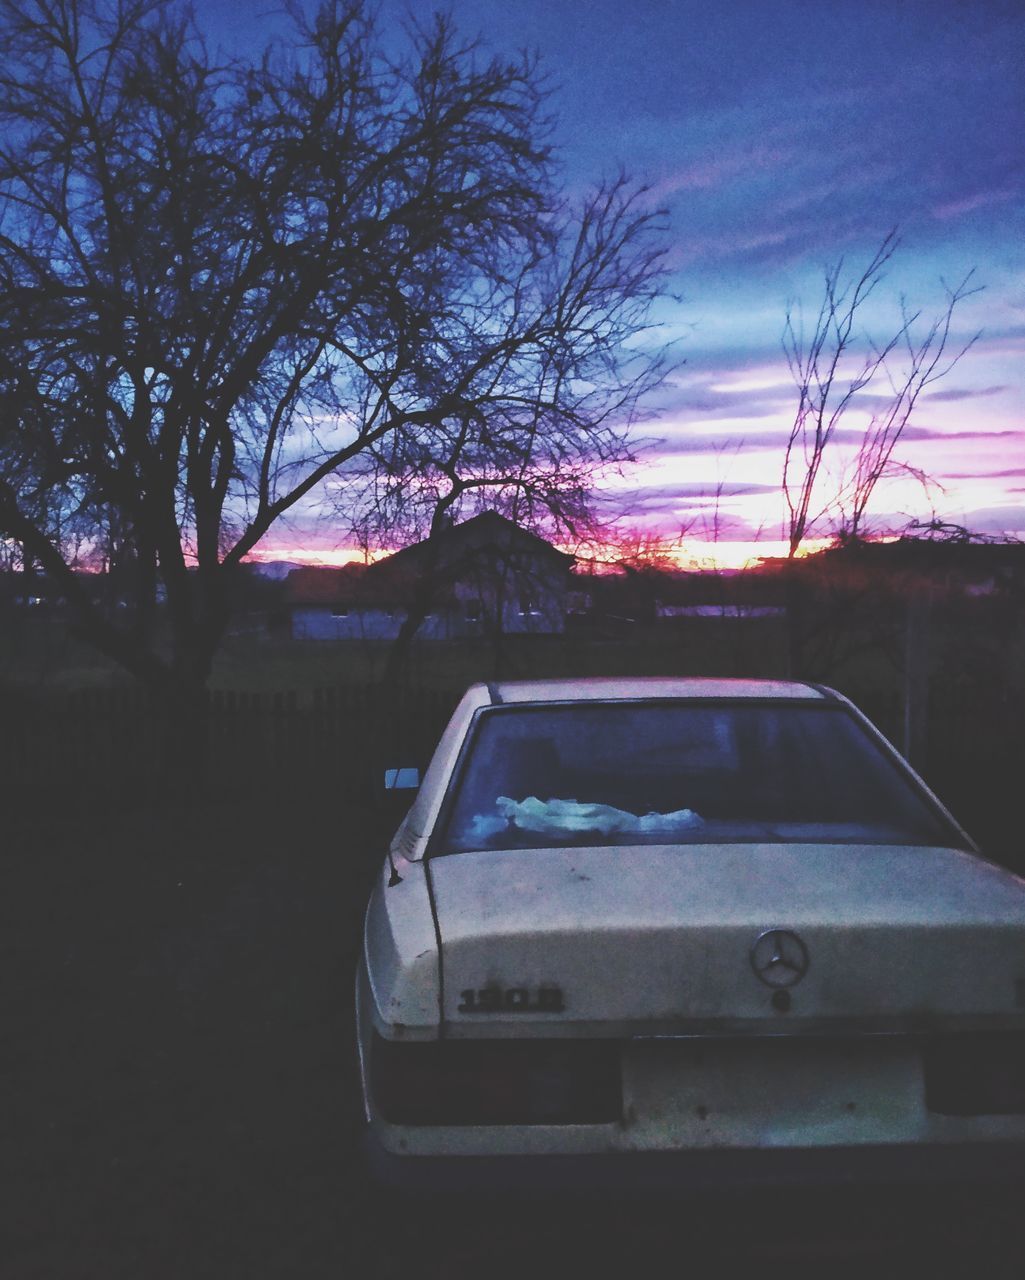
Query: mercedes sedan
[[650, 932]]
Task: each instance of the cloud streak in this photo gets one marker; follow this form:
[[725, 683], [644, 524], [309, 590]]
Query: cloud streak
[[687, 442], [1011, 473], [701, 489]]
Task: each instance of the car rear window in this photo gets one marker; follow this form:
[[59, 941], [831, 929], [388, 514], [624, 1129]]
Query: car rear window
[[672, 773]]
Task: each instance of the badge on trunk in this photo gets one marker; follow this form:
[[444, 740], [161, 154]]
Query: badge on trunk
[[492, 999], [779, 958]]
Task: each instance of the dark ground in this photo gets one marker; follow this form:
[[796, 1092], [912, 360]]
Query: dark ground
[[180, 1093]]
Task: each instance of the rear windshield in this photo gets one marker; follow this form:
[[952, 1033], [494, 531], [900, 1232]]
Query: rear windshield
[[681, 773]]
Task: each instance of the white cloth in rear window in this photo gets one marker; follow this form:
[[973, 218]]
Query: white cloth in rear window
[[552, 817]]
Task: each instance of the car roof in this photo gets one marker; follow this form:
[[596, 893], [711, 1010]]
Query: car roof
[[606, 688]]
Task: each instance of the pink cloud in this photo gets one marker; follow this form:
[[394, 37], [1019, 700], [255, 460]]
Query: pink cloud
[[707, 174], [968, 204]]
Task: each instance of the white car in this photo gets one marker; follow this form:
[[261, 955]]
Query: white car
[[681, 932]]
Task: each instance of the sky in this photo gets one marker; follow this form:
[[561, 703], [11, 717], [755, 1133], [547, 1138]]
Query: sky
[[782, 135]]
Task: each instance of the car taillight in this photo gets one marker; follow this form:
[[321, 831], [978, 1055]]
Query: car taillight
[[496, 1081], [975, 1075]]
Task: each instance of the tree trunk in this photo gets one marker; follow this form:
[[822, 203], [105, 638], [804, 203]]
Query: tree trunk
[[397, 661], [182, 706]]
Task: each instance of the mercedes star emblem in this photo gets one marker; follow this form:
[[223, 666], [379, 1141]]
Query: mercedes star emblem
[[779, 958]]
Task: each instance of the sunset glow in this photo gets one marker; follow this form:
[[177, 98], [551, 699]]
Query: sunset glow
[[308, 554], [768, 179], [691, 553]]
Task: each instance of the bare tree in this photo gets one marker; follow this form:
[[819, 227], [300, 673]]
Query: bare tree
[[223, 283], [637, 551], [836, 363], [548, 387]]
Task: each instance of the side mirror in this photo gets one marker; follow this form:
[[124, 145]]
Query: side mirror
[[404, 779]]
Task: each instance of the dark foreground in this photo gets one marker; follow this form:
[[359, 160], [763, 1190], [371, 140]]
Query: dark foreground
[[180, 1092]]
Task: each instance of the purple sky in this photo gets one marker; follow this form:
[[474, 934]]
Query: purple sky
[[781, 136]]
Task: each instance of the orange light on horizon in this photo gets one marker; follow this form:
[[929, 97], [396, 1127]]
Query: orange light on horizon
[[322, 557], [696, 554], [691, 553]]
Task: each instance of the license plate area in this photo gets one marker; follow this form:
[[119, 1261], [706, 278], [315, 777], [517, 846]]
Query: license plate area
[[772, 1091]]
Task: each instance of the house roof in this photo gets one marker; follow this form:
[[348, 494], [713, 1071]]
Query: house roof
[[488, 531], [961, 556], [389, 581]]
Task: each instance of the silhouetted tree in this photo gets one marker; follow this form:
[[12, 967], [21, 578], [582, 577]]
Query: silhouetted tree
[[835, 363], [222, 283], [548, 382]]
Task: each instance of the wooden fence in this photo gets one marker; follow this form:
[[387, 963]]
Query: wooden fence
[[66, 751], [115, 743]]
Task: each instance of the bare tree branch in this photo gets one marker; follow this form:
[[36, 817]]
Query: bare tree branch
[[828, 387], [224, 285]]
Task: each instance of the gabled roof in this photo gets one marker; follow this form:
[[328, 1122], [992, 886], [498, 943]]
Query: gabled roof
[[388, 582], [488, 531]]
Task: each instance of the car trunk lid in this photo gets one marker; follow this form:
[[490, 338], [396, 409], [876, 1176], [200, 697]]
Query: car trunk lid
[[660, 939]]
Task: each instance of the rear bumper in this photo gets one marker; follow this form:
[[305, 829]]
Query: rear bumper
[[699, 1170]]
